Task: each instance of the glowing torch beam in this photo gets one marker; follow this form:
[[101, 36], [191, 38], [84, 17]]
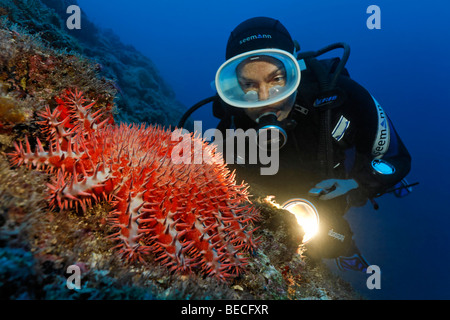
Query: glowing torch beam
[[305, 213]]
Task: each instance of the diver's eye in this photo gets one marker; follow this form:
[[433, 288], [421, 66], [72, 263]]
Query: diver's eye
[[278, 79], [249, 85]]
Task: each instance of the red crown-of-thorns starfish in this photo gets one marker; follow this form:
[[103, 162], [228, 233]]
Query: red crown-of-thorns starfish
[[192, 216]]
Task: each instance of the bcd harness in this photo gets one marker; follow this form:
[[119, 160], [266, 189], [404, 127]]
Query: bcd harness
[[327, 72]]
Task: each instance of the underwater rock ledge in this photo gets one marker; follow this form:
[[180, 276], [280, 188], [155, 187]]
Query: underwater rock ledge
[[143, 95]]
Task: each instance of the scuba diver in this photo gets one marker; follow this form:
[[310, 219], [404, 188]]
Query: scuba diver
[[336, 146]]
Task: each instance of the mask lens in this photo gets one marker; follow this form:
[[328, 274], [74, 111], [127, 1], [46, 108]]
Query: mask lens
[[251, 96], [274, 91], [258, 78]]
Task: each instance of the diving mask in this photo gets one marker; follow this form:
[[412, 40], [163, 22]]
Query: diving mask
[[258, 78]]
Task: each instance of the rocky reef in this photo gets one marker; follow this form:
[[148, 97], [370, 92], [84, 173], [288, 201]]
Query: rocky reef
[[39, 59], [142, 94]]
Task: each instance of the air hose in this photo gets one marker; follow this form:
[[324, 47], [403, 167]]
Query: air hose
[[193, 109]]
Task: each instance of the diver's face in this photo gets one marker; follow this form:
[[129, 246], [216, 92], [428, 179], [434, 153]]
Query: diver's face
[[261, 76]]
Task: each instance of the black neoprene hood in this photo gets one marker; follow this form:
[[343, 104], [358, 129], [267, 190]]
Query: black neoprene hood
[[259, 33]]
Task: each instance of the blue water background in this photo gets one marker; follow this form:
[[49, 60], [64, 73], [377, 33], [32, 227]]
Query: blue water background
[[405, 65]]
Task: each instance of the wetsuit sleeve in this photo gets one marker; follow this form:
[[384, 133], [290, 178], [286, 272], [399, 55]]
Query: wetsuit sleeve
[[374, 137]]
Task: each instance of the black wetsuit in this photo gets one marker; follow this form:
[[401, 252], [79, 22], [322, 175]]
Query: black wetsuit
[[360, 131]]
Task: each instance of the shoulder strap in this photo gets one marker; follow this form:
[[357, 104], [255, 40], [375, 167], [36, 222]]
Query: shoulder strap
[[331, 65], [324, 103]]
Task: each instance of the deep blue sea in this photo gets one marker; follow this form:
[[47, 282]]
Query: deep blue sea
[[405, 65]]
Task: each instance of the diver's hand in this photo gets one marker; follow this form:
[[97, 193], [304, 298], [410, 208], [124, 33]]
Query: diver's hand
[[332, 188]]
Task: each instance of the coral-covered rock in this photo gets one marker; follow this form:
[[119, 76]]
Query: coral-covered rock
[[31, 76], [193, 216], [144, 95]]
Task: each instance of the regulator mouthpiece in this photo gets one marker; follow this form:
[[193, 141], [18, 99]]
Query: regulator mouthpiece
[[271, 135]]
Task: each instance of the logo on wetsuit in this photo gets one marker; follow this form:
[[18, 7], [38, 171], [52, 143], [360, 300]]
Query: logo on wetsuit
[[336, 235], [323, 101], [382, 140]]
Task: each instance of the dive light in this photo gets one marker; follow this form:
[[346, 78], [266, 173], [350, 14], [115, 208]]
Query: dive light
[[306, 214]]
